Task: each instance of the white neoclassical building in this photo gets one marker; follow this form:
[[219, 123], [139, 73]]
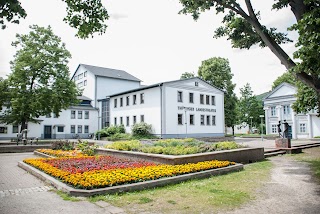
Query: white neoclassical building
[[181, 108], [277, 106]]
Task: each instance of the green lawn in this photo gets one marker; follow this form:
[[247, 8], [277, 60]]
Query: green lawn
[[196, 196]]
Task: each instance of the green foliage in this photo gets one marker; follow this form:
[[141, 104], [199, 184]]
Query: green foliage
[[172, 146], [87, 16], [11, 11], [141, 129], [187, 75], [132, 145], [86, 148], [120, 136], [285, 77], [249, 107], [62, 145], [39, 83], [217, 72], [111, 130]]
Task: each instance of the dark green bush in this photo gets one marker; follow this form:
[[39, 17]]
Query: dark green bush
[[62, 145], [110, 131], [141, 129]]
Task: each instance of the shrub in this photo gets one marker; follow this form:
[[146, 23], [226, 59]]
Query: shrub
[[141, 129], [120, 136], [86, 148], [62, 145], [132, 145], [226, 145], [110, 131]]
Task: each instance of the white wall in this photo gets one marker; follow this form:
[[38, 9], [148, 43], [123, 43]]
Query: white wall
[[150, 109], [315, 122], [172, 109]]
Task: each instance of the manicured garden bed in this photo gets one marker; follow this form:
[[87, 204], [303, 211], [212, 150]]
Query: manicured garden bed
[[105, 171]]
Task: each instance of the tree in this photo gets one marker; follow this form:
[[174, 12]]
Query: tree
[[87, 16], [217, 72], [249, 107], [39, 83], [187, 75], [242, 26], [285, 77]]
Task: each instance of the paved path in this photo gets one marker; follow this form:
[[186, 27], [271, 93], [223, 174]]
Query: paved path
[[291, 190], [22, 193]]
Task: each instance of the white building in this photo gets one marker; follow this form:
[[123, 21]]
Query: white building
[[80, 120], [189, 107], [277, 106], [98, 82]]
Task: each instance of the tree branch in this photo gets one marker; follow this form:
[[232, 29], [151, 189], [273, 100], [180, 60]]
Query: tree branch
[[298, 8]]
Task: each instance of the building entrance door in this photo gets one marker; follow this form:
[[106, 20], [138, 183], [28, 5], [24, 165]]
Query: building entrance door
[[47, 132]]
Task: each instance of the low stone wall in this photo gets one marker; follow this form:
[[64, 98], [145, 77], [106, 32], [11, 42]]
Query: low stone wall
[[283, 143], [23, 148], [243, 155], [127, 187]]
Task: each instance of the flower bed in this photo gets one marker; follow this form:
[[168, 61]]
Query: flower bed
[[173, 146], [62, 153], [97, 172]]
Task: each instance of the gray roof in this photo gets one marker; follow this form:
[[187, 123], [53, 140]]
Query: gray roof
[[159, 84], [83, 98], [108, 72]]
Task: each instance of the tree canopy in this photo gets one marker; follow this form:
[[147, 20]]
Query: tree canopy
[[87, 16], [249, 108], [217, 72], [39, 83], [187, 75], [241, 25]]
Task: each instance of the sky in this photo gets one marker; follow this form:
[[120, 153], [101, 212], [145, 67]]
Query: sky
[[150, 40]]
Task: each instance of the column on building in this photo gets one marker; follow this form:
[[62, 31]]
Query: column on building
[[310, 126], [279, 112], [294, 125], [266, 109]]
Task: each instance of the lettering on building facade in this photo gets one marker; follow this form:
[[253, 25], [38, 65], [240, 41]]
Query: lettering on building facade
[[196, 109]]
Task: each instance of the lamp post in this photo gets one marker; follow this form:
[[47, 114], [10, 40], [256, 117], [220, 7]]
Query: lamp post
[[251, 125], [261, 116]]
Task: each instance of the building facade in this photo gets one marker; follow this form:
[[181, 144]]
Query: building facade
[[182, 108], [76, 121], [277, 106]]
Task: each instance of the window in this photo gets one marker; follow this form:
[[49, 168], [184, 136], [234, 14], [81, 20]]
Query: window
[[179, 119], [79, 114], [196, 83], [85, 82], [274, 128], [134, 100], [60, 129], [121, 102], [86, 115], [190, 97], [3, 130], [80, 129], [208, 120], [273, 111], [142, 98], [180, 96], [286, 110], [86, 129], [127, 124], [115, 103], [15, 129], [121, 120], [141, 118], [55, 116], [191, 121], [302, 128], [85, 73], [115, 121], [128, 100], [73, 129], [134, 119], [207, 99], [213, 122], [80, 84], [48, 116], [213, 100], [202, 119], [75, 78], [201, 99], [80, 76], [73, 114]]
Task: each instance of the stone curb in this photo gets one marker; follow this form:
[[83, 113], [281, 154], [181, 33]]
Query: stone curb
[[42, 154], [127, 187]]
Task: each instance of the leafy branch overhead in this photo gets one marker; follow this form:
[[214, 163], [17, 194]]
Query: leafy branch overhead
[[241, 25], [87, 16]]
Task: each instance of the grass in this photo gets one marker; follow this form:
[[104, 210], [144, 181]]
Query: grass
[[311, 156], [67, 197], [217, 193]]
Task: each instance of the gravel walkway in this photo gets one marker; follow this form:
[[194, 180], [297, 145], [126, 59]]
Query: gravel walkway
[[291, 190]]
